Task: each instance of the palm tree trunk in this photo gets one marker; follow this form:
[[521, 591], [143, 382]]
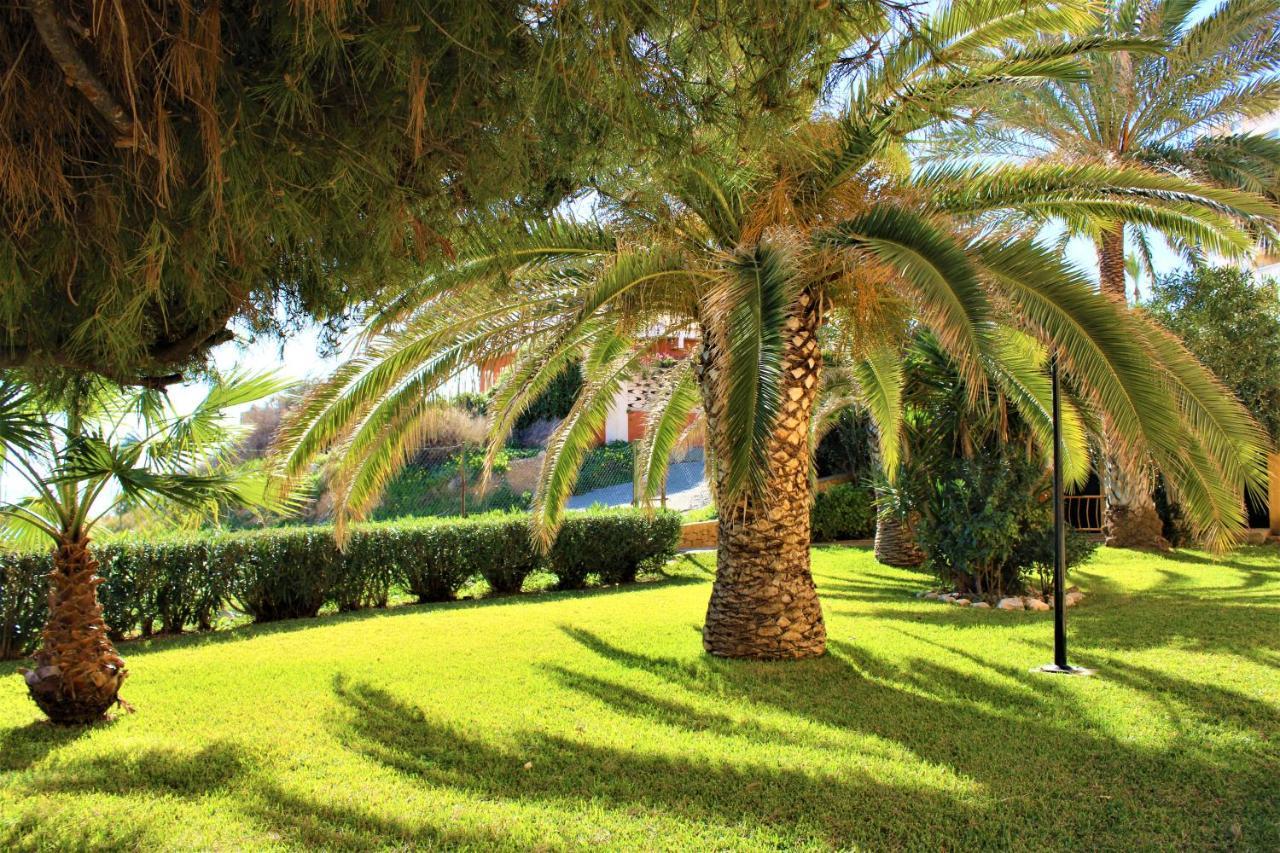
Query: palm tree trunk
[[895, 543], [764, 605], [1132, 520], [78, 673], [1111, 263]]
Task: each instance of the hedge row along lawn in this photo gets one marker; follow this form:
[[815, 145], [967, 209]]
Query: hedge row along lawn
[[594, 718]]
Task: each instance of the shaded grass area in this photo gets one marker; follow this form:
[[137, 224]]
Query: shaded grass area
[[595, 719]]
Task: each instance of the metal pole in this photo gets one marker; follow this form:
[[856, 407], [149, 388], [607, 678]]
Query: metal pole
[[1059, 530], [1059, 665], [462, 479]]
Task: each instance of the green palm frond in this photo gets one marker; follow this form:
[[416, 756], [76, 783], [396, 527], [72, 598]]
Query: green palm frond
[[1018, 367], [1150, 408], [936, 270], [755, 298], [880, 381], [606, 368]]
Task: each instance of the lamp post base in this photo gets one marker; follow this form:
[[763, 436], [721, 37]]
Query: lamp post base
[[1054, 669]]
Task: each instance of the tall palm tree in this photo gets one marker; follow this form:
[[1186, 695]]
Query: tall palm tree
[[81, 454], [1170, 111], [771, 251]]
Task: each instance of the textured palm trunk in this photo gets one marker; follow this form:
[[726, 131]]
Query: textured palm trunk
[[895, 543], [1132, 520], [764, 605], [77, 673]]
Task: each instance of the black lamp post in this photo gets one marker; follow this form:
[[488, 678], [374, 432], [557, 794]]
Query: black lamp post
[[1059, 665]]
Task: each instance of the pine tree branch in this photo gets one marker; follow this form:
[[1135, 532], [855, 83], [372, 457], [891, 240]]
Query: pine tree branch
[[80, 76]]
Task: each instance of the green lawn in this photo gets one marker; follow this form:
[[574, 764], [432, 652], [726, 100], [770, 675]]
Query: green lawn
[[564, 720]]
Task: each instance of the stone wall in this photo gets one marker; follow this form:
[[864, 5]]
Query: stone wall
[[698, 534]]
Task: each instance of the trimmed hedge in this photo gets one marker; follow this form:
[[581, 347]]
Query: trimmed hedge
[[292, 572], [616, 546], [846, 511]]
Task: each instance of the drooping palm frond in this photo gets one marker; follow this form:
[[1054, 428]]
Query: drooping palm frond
[[880, 382], [755, 300], [605, 368], [1146, 390], [935, 270]]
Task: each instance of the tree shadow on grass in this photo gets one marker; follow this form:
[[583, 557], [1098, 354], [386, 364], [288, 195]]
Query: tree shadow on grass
[[222, 765], [25, 746], [824, 808], [1031, 742]]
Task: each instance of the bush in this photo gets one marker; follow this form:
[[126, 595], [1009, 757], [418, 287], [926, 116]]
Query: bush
[[846, 511], [23, 591], [284, 573], [986, 523], [613, 545]]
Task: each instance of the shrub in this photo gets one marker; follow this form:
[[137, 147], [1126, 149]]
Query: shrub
[[23, 588], [614, 545], [499, 549], [986, 523], [846, 511], [291, 572], [284, 573]]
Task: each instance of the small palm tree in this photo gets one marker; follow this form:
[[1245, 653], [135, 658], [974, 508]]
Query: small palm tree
[[82, 452], [1169, 112], [815, 240]]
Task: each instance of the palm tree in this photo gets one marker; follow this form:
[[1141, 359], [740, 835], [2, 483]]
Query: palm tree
[[1167, 111], [817, 238], [81, 454]]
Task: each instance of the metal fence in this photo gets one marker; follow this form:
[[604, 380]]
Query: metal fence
[[449, 482]]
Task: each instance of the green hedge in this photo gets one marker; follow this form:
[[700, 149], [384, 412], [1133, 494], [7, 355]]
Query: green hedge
[[614, 546], [288, 573], [846, 511]]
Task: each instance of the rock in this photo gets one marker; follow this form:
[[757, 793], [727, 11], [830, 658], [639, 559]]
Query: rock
[[1074, 598], [932, 596], [962, 602], [1012, 603], [1035, 603], [981, 605]]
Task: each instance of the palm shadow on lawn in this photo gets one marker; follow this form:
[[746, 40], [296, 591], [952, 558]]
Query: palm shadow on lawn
[[1028, 740], [1029, 745]]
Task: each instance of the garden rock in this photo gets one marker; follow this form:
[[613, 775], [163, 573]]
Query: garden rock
[[1010, 604], [981, 605], [1035, 603]]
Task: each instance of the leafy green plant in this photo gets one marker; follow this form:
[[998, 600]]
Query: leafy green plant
[[845, 511], [986, 522]]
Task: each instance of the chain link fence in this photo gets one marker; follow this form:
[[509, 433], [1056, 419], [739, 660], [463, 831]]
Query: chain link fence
[[449, 481]]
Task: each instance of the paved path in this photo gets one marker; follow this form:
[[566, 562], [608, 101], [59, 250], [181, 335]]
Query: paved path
[[686, 489]]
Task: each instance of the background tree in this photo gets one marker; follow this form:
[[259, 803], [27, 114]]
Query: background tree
[[80, 453], [1169, 111], [167, 168], [1231, 321], [813, 230]]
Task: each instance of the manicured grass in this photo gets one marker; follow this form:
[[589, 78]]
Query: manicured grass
[[595, 719]]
